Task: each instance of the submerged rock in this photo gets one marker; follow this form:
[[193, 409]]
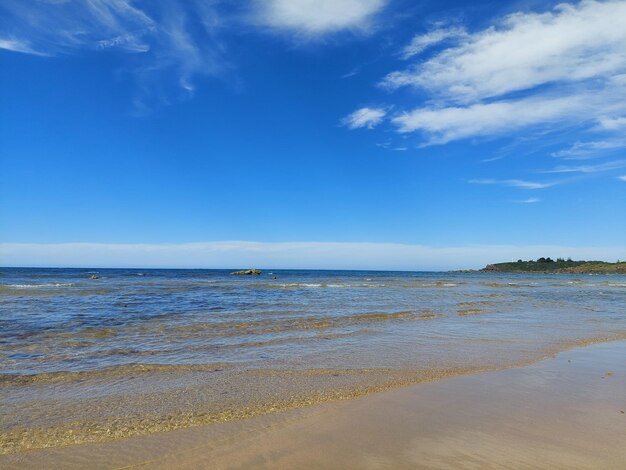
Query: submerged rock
[[247, 272]]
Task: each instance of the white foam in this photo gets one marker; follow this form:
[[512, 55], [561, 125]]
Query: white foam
[[312, 286], [35, 286]]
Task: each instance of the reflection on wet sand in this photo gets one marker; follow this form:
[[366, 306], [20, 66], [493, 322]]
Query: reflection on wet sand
[[564, 412]]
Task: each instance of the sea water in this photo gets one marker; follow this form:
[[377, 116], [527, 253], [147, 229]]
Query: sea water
[[94, 354]]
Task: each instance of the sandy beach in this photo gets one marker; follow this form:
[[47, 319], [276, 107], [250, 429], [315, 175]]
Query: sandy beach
[[562, 412]]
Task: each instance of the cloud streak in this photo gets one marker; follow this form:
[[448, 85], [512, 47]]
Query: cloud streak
[[364, 117], [155, 41], [64, 27], [590, 149], [521, 184], [444, 124], [607, 166], [18, 46], [422, 42], [313, 255]]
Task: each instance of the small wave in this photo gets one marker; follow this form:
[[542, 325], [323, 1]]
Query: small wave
[[470, 311], [35, 286], [123, 371], [98, 333], [515, 285], [258, 327], [298, 284], [431, 285], [304, 285], [476, 305]]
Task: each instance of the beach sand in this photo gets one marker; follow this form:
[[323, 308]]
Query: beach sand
[[563, 412]]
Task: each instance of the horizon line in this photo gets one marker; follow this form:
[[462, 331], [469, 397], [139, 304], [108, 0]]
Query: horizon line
[[356, 256]]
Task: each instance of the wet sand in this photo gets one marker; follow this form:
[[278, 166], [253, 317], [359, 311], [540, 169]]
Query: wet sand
[[562, 412]]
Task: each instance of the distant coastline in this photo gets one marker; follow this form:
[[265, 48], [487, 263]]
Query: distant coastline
[[558, 266]]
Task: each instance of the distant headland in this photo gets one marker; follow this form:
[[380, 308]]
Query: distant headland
[[560, 265]]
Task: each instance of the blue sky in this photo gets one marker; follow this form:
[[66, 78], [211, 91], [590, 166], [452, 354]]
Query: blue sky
[[439, 134]]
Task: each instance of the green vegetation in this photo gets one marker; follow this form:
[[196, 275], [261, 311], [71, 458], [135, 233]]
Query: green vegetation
[[548, 265]]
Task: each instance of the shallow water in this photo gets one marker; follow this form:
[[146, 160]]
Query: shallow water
[[136, 351]]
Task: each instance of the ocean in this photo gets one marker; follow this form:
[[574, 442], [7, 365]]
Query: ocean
[[96, 354]]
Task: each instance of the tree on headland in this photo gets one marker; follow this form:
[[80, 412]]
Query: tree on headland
[[548, 265]]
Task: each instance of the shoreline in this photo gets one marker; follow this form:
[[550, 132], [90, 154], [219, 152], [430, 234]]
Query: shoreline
[[22, 459], [115, 429]]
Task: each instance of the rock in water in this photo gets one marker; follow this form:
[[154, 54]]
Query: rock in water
[[247, 272]]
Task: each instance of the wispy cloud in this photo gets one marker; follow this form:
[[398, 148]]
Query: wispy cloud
[[606, 166], [542, 71], [590, 149], [313, 18], [422, 42], [355, 71], [324, 255], [444, 124], [530, 200], [572, 43], [622, 178], [613, 124], [18, 46], [63, 27], [157, 37], [364, 117], [522, 184]]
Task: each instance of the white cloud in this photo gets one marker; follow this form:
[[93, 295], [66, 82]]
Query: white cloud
[[572, 43], [355, 71], [622, 178], [590, 149], [158, 37], [316, 17], [364, 117], [18, 46], [322, 255], [537, 72], [530, 200], [613, 124], [522, 184], [589, 168], [422, 42], [63, 27], [442, 125]]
